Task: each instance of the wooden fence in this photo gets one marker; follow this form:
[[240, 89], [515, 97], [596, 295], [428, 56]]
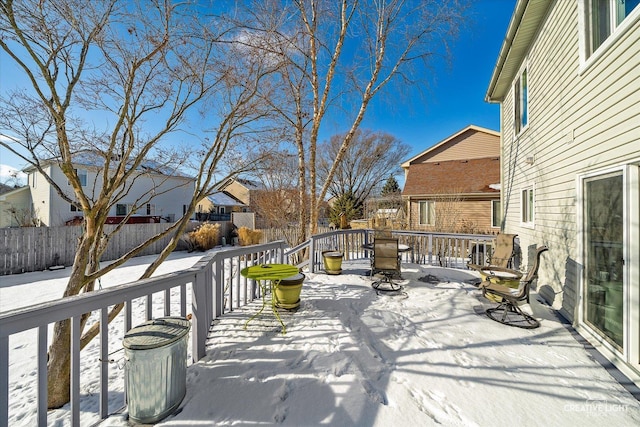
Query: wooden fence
[[38, 248]]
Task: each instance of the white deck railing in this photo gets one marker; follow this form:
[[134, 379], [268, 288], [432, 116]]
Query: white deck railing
[[213, 286]]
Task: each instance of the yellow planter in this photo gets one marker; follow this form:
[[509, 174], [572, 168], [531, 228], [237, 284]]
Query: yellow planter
[[287, 292], [332, 262]]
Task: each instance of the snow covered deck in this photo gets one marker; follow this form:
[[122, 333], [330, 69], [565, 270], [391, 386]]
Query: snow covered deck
[[429, 356]]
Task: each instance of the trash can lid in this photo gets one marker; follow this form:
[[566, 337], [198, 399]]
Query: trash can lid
[[156, 333]]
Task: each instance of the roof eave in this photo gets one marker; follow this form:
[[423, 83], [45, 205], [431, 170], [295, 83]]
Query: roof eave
[[523, 27], [445, 195]]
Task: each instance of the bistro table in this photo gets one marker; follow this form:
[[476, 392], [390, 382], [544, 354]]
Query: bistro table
[[272, 273], [401, 247]]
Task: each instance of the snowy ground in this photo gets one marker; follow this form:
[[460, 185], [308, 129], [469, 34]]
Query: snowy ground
[[353, 358]]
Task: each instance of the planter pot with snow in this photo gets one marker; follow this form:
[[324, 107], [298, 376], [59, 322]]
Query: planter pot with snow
[[332, 262], [287, 292]]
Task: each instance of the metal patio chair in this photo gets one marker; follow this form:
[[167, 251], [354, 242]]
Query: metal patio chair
[[508, 311], [386, 262]]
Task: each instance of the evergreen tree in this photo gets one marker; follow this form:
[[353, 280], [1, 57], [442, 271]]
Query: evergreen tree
[[345, 205], [391, 187]]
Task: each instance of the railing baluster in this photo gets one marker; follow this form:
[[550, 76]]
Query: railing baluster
[[127, 315], [104, 363], [42, 375], [149, 307], [183, 300], [75, 370], [167, 302], [4, 380], [199, 323]]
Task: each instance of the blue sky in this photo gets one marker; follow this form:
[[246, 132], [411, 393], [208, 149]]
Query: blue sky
[[454, 99]]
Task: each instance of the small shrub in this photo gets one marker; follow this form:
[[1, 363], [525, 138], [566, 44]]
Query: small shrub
[[205, 237], [247, 237]]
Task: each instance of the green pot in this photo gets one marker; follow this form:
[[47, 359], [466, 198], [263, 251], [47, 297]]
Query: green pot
[[287, 292], [332, 262]]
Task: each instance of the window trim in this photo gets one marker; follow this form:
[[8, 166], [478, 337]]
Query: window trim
[[529, 220], [589, 56]]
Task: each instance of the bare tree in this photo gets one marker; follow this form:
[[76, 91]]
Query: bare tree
[[449, 210], [141, 67], [366, 164], [338, 56], [277, 204]]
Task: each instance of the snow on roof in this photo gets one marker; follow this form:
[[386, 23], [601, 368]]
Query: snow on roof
[[224, 199], [91, 158]]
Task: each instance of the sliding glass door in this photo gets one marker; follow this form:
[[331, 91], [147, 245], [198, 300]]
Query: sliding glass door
[[604, 256]]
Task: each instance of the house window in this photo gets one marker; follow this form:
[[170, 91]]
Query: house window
[[495, 213], [427, 212], [604, 17], [74, 208], [527, 206], [521, 102], [82, 177], [123, 209]]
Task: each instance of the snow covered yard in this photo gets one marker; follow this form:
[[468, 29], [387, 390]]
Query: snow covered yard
[[354, 358]]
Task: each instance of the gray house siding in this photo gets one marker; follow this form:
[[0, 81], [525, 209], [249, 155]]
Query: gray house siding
[[583, 120], [579, 121]]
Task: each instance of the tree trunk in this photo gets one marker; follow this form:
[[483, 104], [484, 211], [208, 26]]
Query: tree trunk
[[59, 366]]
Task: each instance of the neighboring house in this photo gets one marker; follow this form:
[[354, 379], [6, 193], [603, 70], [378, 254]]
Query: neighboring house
[[454, 186], [568, 83], [218, 207], [243, 190], [272, 208], [16, 209], [158, 196]]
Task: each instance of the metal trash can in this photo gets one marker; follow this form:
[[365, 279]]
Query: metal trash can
[[156, 368]]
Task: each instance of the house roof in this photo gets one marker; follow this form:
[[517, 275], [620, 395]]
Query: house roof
[[470, 128], [6, 188], [222, 198], [468, 177], [250, 185], [92, 159], [523, 27], [13, 191]]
